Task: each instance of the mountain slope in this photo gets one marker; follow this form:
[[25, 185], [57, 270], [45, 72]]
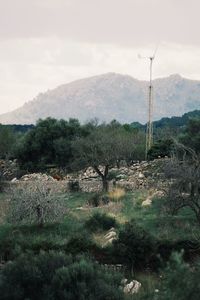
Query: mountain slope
[[110, 96]]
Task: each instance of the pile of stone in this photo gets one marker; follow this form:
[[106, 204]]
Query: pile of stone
[[140, 175], [37, 176], [89, 173]]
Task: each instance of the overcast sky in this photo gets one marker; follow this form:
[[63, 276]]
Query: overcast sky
[[45, 43]]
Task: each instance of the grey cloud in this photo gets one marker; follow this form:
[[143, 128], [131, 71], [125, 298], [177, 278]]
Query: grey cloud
[[126, 22]]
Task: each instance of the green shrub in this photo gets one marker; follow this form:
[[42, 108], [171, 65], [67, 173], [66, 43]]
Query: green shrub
[[134, 247], [94, 200], [180, 281], [100, 222], [54, 276], [161, 148], [80, 243], [73, 186], [98, 199]]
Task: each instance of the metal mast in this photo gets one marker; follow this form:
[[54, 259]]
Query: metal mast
[[149, 128]]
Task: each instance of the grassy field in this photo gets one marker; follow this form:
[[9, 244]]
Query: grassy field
[[17, 239], [152, 218]]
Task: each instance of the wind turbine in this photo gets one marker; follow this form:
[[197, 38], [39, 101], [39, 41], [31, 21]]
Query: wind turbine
[[149, 129]]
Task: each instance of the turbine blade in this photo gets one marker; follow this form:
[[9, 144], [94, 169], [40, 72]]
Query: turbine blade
[[156, 49]]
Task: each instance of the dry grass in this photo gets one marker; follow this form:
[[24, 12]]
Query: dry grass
[[116, 194]]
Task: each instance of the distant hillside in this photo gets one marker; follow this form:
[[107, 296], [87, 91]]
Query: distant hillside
[[173, 122], [110, 96]]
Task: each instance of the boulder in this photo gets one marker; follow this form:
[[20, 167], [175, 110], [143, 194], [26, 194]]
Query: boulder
[[110, 235], [147, 202], [132, 288]]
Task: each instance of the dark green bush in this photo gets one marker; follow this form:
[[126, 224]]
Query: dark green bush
[[98, 199], [180, 281], [79, 243], [161, 148], [54, 276], [73, 186], [100, 222], [94, 200], [134, 247]]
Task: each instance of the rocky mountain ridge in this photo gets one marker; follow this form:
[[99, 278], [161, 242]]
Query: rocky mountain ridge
[[110, 96]]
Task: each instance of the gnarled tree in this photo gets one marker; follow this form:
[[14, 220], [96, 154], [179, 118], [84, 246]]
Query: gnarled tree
[[184, 190], [106, 146]]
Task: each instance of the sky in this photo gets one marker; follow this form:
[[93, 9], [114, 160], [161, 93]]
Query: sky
[[45, 43]]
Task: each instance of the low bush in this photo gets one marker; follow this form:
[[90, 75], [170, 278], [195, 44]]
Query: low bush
[[116, 194], [98, 199], [100, 222], [134, 247], [180, 281], [73, 186], [78, 244], [55, 276]]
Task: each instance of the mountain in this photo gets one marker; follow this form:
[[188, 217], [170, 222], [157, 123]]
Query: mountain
[[110, 96]]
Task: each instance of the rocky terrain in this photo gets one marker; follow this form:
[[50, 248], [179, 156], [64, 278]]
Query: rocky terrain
[[143, 175], [110, 96]]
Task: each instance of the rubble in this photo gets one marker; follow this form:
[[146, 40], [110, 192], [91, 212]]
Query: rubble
[[37, 176], [140, 175]]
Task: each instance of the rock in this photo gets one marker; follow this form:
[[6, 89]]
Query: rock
[[110, 241], [141, 175], [111, 229], [110, 235], [124, 282], [132, 287], [147, 202], [14, 180]]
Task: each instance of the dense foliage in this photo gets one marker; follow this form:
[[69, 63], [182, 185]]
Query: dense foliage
[[50, 276], [191, 135], [100, 222], [8, 139], [179, 281], [134, 246], [49, 142]]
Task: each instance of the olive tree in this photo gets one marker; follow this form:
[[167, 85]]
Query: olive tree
[[36, 202], [105, 147]]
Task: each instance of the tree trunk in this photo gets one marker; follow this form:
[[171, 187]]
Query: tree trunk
[[103, 177], [105, 184]]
